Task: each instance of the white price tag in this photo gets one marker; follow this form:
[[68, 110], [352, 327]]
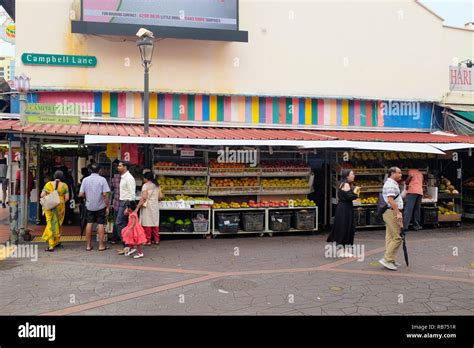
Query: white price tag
[[227, 222]]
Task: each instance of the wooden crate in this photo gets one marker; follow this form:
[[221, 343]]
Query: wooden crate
[[449, 218]]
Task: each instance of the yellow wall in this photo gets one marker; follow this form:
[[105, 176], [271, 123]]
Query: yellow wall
[[367, 49]]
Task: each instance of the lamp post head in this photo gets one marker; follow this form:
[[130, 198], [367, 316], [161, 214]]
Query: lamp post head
[[145, 46], [22, 83]]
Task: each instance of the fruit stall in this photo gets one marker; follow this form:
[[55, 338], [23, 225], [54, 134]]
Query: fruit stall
[[468, 198], [244, 197], [441, 200]]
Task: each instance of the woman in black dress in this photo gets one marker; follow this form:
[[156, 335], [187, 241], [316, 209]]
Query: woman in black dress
[[343, 229]]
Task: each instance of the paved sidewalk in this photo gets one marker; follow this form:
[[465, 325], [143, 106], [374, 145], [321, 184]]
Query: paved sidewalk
[[279, 275]]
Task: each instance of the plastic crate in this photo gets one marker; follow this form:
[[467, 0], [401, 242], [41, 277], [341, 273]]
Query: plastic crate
[[200, 225], [429, 215], [280, 221], [183, 228], [360, 216], [374, 218], [253, 221], [304, 219], [228, 222], [166, 227]]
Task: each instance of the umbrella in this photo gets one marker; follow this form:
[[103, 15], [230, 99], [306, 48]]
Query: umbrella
[[82, 212], [405, 251]]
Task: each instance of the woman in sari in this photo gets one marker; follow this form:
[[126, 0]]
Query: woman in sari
[[55, 217]]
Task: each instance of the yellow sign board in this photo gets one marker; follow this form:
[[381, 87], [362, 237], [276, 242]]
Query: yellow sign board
[[53, 119]]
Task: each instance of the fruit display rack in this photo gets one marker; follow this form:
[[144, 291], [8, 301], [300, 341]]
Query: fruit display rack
[[267, 211], [180, 171], [206, 233], [468, 199], [234, 190]]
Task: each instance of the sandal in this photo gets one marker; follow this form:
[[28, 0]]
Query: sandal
[[106, 248], [49, 249], [89, 249]]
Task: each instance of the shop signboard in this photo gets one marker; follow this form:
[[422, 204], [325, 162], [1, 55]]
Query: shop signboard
[[58, 60], [202, 14], [53, 119], [460, 78], [187, 153]]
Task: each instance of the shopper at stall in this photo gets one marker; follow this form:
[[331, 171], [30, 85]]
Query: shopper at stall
[[393, 218], [55, 217], [95, 189], [4, 179], [115, 206], [127, 193], [133, 234], [150, 209], [343, 229], [69, 180], [413, 199]]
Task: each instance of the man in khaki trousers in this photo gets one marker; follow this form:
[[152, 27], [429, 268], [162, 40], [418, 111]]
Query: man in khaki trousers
[[393, 218]]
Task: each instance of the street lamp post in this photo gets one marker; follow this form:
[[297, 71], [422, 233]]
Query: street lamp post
[[145, 46], [22, 85]]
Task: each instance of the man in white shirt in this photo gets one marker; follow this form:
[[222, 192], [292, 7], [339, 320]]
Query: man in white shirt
[[127, 193], [393, 218]]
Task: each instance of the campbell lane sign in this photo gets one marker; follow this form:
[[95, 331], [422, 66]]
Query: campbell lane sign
[[58, 60]]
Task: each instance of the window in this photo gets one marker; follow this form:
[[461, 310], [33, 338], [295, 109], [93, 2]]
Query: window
[[2, 72]]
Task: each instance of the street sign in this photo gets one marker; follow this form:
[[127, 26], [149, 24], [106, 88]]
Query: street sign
[[53, 119], [58, 60]]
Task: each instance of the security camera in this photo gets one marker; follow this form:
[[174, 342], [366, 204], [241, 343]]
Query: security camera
[[144, 33]]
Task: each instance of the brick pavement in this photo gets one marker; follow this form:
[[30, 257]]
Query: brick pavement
[[287, 275]]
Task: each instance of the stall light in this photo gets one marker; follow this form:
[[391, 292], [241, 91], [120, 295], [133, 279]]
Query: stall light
[[60, 146], [175, 150], [270, 150]]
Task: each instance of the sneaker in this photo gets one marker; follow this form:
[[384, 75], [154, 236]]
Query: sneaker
[[130, 252], [396, 264], [417, 228], [388, 265], [3, 205], [138, 256]]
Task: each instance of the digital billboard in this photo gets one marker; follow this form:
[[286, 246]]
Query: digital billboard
[[199, 14]]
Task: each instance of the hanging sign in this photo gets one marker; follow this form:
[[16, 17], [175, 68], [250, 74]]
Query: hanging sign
[[187, 153], [112, 151], [130, 153]]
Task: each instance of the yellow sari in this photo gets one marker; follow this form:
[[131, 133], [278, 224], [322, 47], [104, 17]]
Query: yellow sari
[[55, 217]]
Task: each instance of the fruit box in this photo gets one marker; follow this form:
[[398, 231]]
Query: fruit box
[[449, 217]]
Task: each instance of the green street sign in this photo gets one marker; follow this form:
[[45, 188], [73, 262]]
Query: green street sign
[[53, 119], [58, 60]]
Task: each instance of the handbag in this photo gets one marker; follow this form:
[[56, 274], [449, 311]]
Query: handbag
[[146, 202], [51, 200]]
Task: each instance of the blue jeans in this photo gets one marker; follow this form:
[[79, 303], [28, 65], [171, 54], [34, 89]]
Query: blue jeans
[[121, 221]]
